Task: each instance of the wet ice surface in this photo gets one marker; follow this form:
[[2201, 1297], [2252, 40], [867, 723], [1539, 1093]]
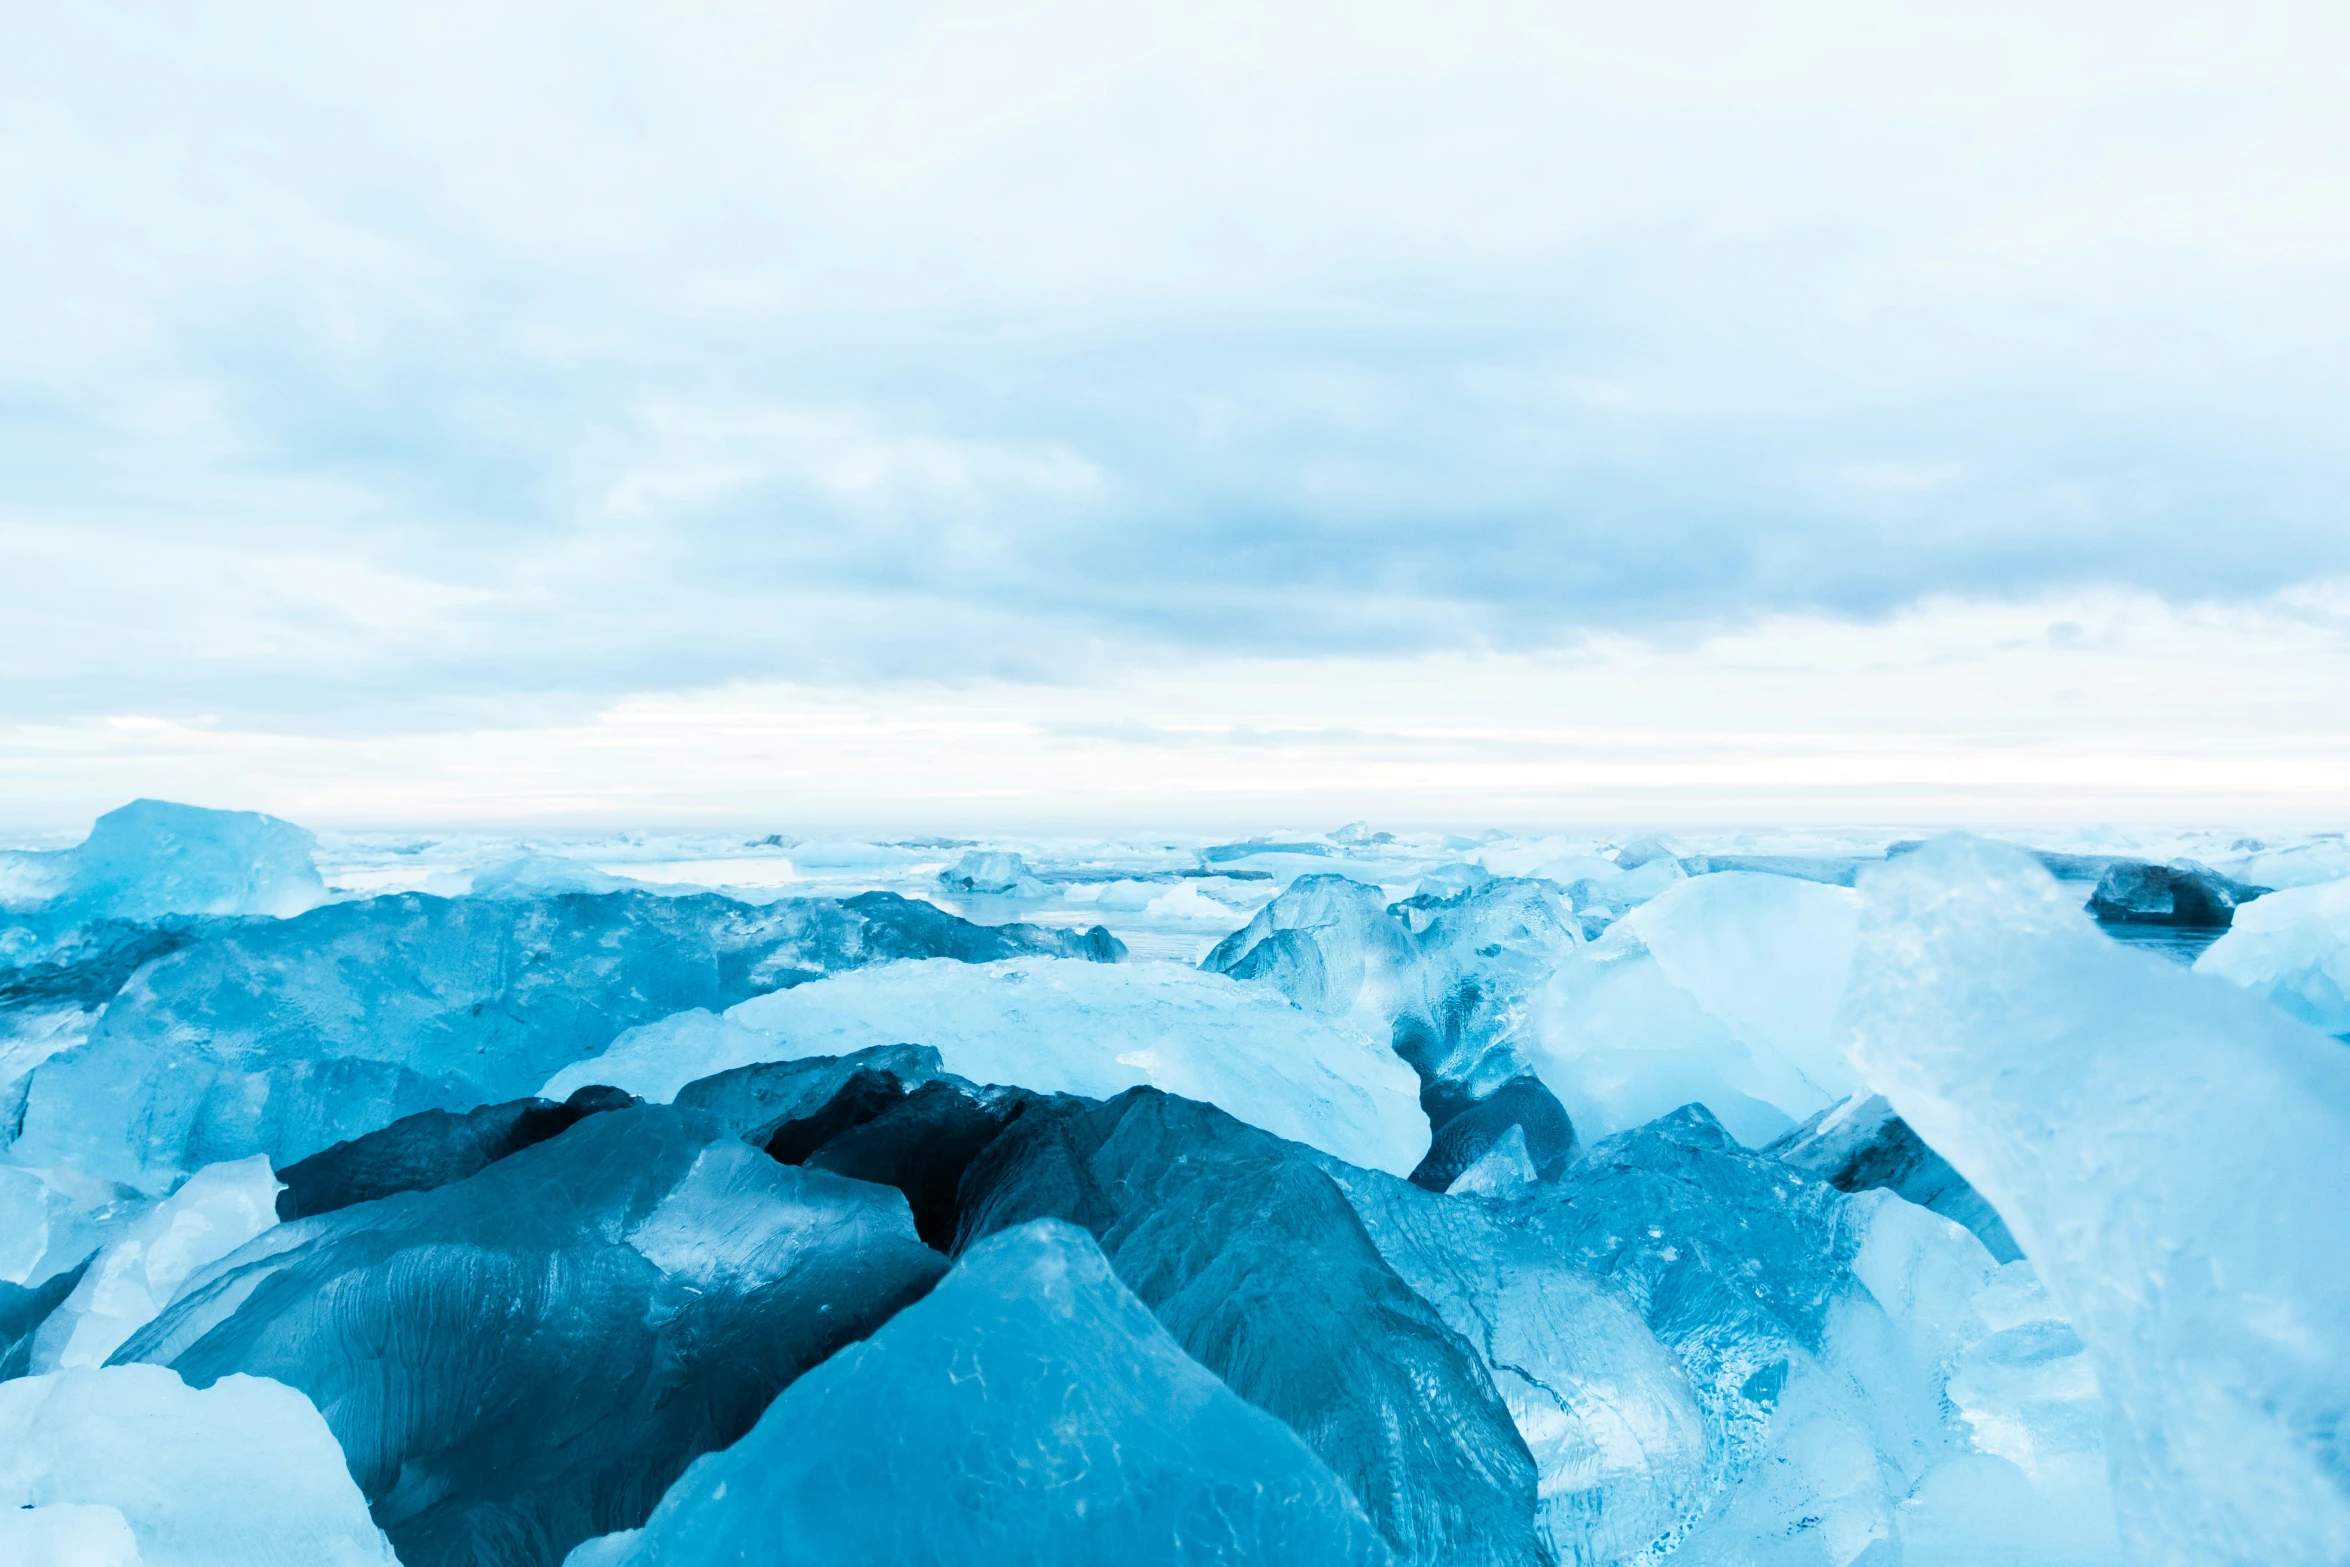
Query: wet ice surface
[[1755, 1198]]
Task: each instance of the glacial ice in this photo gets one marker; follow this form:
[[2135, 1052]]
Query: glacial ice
[[2170, 1152], [217, 1210], [1328, 943], [1448, 980], [2180, 893], [1247, 1252], [529, 1356], [152, 858], [1722, 991], [1521, 1109], [285, 1037], [993, 872], [1818, 1332], [2292, 948], [1029, 1410], [428, 1149], [1057, 1026], [243, 1473], [1616, 1338], [1606, 1411]]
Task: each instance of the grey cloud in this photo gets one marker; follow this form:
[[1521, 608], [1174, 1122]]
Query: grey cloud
[[547, 402]]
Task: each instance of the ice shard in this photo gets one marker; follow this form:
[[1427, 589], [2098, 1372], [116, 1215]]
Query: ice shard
[[527, 1357], [1030, 1410], [1722, 990], [242, 1473], [2171, 1154], [217, 1210], [2292, 948]]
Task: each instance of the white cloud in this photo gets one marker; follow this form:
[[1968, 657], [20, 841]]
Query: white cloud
[[499, 365]]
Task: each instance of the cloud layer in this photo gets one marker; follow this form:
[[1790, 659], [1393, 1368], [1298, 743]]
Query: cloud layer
[[492, 363]]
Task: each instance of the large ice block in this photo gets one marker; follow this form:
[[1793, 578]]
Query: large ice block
[[1031, 1411], [527, 1357], [242, 1473], [217, 1210], [285, 1037], [1056, 1026], [153, 858], [1721, 990], [2171, 1153], [2292, 948], [1252, 1257]]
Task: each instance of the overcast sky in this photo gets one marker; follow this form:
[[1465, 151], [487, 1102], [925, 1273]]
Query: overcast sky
[[955, 414]]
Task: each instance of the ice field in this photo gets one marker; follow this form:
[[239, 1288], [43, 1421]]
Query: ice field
[[1742, 1199]]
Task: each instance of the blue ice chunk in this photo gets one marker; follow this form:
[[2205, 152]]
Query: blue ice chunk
[[1520, 1107], [1450, 981], [758, 1100], [152, 858], [285, 1037], [2172, 1154], [1484, 956], [522, 1359], [1031, 1411], [1606, 1410], [1858, 1144], [1252, 1257], [992, 872], [1734, 1259], [430, 1148], [1328, 943]]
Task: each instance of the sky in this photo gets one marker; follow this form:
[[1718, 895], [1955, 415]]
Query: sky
[[951, 416]]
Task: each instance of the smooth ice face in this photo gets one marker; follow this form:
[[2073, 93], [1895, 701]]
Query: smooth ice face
[[2292, 948], [153, 858], [221, 1207], [1722, 991], [1029, 1410], [1058, 1026], [243, 1473], [527, 1357], [2171, 1153]]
